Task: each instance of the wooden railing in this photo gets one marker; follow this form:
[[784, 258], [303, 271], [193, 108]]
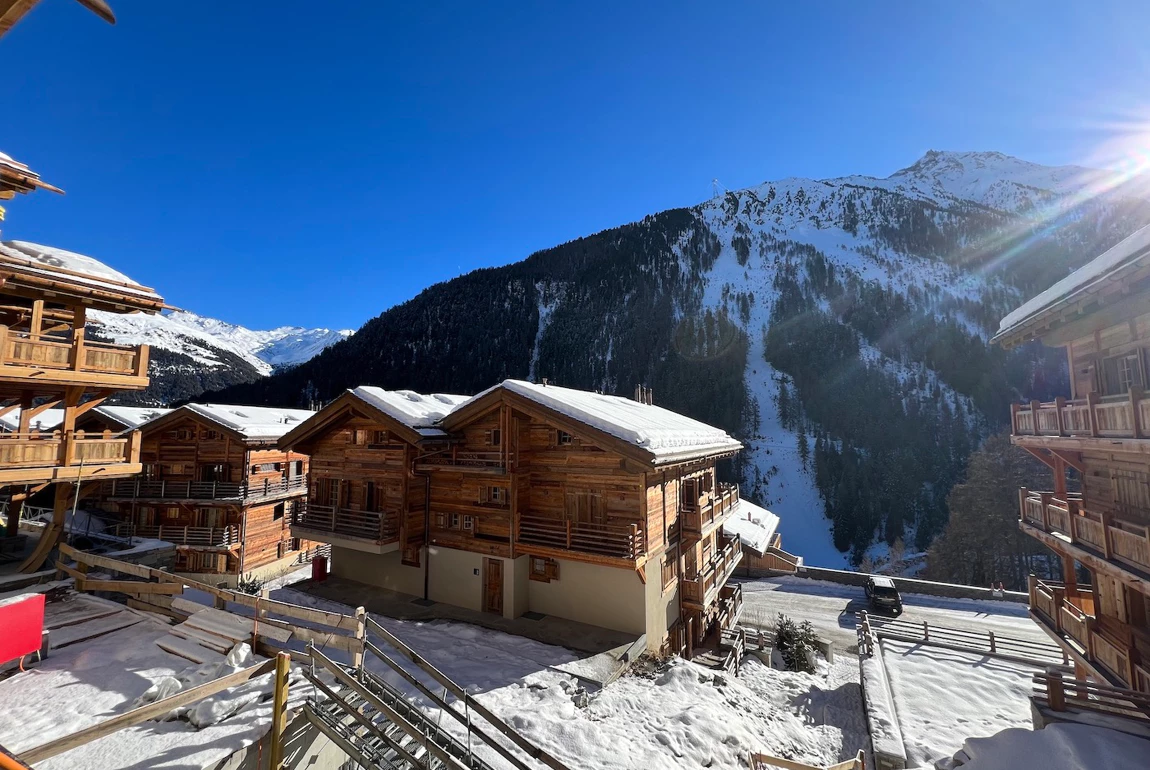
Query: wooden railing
[[456, 457], [986, 642], [380, 526], [43, 352], [1075, 622], [713, 575], [730, 605], [1115, 539], [1121, 416], [615, 540], [1113, 658], [36, 450], [698, 515], [204, 490], [1059, 694], [205, 537]]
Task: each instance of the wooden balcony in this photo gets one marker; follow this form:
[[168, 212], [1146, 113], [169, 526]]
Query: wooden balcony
[[196, 537], [1071, 621], [700, 517], [368, 531], [190, 491], [491, 461], [59, 361], [1102, 539], [1096, 416], [703, 590], [56, 455], [568, 539]]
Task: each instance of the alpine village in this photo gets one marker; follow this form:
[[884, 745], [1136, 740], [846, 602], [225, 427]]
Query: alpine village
[[533, 517]]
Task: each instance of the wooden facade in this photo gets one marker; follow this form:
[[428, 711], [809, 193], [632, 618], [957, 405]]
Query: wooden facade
[[226, 499], [1095, 441], [515, 483], [46, 362]]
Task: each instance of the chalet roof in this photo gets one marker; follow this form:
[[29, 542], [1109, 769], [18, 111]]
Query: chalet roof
[[49, 419], [1106, 269], [72, 273], [131, 417], [16, 177], [415, 410], [754, 526], [255, 423], [663, 435]]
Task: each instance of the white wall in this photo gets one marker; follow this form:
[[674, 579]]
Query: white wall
[[383, 570], [610, 597]]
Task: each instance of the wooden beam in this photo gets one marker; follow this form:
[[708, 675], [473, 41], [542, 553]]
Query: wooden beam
[[133, 587], [1073, 459], [279, 710], [144, 713], [1040, 455]]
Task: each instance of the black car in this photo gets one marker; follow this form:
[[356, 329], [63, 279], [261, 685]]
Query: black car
[[883, 595]]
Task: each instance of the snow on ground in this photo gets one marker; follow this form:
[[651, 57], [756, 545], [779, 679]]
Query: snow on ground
[[942, 697], [682, 715], [1057, 747], [832, 608]]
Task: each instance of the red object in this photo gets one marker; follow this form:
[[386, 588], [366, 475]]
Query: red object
[[22, 624], [319, 568]]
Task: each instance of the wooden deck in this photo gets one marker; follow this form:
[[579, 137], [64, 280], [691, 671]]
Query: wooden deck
[[198, 537], [54, 360], [700, 517], [322, 522], [1096, 416], [249, 491], [701, 592], [1123, 544], [613, 541], [60, 454]]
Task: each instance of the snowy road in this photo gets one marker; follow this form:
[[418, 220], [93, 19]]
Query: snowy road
[[831, 608]]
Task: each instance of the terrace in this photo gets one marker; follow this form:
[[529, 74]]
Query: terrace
[[701, 516], [59, 360], [22, 454], [570, 539], [369, 531], [1097, 539], [1096, 416], [240, 492], [703, 590]]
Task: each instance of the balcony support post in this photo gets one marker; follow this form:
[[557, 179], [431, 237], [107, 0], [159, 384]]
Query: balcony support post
[[1059, 405], [1014, 407], [1059, 477], [1069, 576], [1135, 416], [1091, 403], [1035, 406]]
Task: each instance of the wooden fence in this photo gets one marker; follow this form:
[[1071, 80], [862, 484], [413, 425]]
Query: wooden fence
[[986, 643], [1059, 694], [767, 762]]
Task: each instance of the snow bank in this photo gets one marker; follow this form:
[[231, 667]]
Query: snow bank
[[1059, 746], [882, 721]]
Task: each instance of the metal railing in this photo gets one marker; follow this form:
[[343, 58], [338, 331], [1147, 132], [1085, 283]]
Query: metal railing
[[204, 490], [380, 526], [620, 541]]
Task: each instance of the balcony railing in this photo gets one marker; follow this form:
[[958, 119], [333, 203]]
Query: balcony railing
[[622, 541], [1116, 540], [143, 489], [20, 349], [1124, 416], [713, 575], [699, 515], [57, 448], [203, 537], [379, 526], [491, 460]]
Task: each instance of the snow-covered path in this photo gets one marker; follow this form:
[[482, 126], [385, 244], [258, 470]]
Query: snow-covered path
[[831, 608]]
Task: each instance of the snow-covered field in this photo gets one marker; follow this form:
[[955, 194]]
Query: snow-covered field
[[683, 715], [943, 697], [1057, 747]]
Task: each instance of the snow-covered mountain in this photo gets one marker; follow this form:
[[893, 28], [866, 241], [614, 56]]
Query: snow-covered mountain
[[839, 327], [191, 352]]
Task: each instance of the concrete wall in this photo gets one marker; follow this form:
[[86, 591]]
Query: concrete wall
[[609, 597], [912, 585], [457, 578], [662, 608], [383, 570]]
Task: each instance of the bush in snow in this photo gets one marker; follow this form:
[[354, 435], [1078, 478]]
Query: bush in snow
[[796, 643], [249, 584]]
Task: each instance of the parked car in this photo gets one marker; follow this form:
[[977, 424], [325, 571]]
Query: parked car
[[882, 595]]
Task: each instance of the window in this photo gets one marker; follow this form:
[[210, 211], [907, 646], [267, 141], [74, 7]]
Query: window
[[410, 556], [441, 521], [493, 495], [690, 494], [1131, 490], [378, 438], [176, 469], [185, 434], [211, 435], [563, 438], [585, 506], [492, 437], [267, 468], [544, 570], [670, 570], [171, 513], [1120, 373], [278, 512], [214, 472], [151, 471], [297, 468], [455, 521], [372, 499], [468, 523]]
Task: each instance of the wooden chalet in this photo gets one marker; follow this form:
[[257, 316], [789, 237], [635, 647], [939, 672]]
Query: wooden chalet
[[1098, 440], [528, 498], [11, 11], [46, 363], [214, 482]]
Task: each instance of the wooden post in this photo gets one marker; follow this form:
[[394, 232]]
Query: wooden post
[[79, 318], [568, 525], [3, 344], [1135, 416], [1014, 407], [925, 631], [1091, 402], [1059, 478], [1055, 694], [361, 635], [1105, 516], [1034, 407], [1059, 403], [992, 647], [37, 322], [279, 710], [1069, 576]]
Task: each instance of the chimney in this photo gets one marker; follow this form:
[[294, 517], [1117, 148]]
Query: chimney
[[639, 393], [650, 396], [545, 382]]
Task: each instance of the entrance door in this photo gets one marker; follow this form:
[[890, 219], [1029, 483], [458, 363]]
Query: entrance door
[[493, 586]]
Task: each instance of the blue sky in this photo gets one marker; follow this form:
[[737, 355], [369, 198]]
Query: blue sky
[[285, 162]]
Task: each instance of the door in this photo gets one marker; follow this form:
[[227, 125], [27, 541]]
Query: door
[[493, 586]]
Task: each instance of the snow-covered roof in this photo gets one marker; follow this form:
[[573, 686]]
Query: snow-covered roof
[[664, 434], [754, 526], [1089, 275], [61, 265], [415, 410], [257, 423], [49, 419], [131, 417]]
